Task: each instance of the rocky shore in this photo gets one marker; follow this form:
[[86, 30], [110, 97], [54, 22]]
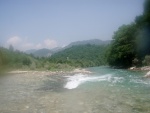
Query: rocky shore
[[145, 68]]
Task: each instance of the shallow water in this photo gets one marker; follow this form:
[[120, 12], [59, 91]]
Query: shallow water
[[104, 91]]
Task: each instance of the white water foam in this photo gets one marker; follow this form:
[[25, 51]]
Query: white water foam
[[77, 79]]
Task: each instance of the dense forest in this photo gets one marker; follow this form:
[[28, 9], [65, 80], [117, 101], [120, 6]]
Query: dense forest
[[131, 43]]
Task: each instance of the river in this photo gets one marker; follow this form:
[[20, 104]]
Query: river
[[105, 90]]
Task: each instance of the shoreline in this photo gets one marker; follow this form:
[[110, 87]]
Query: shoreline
[[144, 68], [42, 73], [73, 72]]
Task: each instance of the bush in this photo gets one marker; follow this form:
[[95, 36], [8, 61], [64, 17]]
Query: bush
[[26, 61], [146, 60]]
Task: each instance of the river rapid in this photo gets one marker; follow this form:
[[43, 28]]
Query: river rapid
[[105, 90]]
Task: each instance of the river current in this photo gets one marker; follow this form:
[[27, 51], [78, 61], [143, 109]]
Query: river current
[[105, 90]]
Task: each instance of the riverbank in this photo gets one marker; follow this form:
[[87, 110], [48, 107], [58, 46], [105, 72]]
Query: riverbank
[[42, 73], [144, 68]]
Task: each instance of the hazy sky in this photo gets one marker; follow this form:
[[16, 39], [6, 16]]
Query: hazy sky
[[28, 24]]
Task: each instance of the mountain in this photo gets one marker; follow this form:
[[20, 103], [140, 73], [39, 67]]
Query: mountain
[[43, 52], [56, 49], [48, 52], [81, 55], [30, 51], [91, 42]]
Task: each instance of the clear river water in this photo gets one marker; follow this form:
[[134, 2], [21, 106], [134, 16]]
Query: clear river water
[[105, 90]]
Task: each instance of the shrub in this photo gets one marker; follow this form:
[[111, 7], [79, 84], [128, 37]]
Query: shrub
[[146, 60]]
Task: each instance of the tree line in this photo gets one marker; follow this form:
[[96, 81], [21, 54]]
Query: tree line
[[131, 43]]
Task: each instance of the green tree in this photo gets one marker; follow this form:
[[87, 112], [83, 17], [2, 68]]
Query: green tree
[[122, 51], [11, 48], [26, 61], [146, 60], [1, 58], [147, 7], [143, 32]]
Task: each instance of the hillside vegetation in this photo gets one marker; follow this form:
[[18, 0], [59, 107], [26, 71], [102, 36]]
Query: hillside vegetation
[[69, 58], [81, 56], [91, 42], [11, 59]]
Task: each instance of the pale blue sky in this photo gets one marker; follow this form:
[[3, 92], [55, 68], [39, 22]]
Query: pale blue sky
[[49, 23]]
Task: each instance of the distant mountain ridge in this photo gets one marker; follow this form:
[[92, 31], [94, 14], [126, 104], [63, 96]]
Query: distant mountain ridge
[[91, 42], [43, 52], [30, 51], [48, 52]]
